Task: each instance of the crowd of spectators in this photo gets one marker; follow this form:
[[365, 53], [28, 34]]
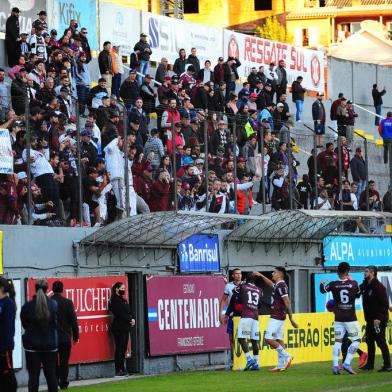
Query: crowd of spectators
[[124, 156]]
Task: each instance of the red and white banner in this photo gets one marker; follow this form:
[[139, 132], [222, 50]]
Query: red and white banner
[[254, 52], [183, 314], [90, 296]]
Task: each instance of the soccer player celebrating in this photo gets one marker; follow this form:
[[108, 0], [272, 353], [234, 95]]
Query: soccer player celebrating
[[279, 309], [344, 292], [247, 299], [225, 300]]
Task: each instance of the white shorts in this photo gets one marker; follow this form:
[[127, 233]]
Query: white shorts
[[275, 329], [248, 328], [351, 327]]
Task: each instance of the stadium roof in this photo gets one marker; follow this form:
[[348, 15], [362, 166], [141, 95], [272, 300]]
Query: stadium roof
[[296, 226], [158, 229]]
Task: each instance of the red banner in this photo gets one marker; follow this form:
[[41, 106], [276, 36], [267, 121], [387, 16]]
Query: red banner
[[90, 296], [183, 314]]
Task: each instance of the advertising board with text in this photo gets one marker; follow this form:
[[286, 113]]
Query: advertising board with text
[[255, 51], [90, 296], [311, 342], [183, 314]]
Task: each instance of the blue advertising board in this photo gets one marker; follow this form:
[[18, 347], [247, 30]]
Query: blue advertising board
[[60, 13], [357, 251], [199, 253], [320, 300]]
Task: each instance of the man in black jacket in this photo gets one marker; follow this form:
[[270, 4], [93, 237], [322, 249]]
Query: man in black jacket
[[105, 64], [144, 55], [375, 307], [358, 171], [12, 37], [377, 102], [192, 59], [85, 44], [67, 328], [231, 75], [19, 92], [130, 90]]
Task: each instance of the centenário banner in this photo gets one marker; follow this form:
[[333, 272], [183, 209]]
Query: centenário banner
[[357, 251], [90, 296], [320, 300], [119, 25], [254, 52], [168, 35], [6, 156], [28, 14], [311, 342], [183, 314]]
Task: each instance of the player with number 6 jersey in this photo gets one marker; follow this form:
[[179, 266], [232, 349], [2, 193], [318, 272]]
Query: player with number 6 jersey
[[344, 292]]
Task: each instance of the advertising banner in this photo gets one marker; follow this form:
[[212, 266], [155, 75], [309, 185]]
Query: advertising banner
[[124, 26], [6, 156], [357, 251], [254, 52], [90, 296], [183, 314], [168, 35], [320, 300], [28, 13], [311, 342], [60, 13], [199, 253]]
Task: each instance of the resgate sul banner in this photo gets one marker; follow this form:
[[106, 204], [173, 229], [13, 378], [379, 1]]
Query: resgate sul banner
[[311, 342], [254, 52], [183, 314], [90, 296]]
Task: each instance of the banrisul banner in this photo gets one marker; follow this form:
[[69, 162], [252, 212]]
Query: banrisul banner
[[320, 300], [357, 251], [61, 12], [199, 253], [183, 314], [254, 52]]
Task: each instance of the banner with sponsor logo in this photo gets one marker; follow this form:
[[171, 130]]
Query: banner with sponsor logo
[[320, 300], [168, 35], [183, 314], [90, 296], [124, 26], [199, 253], [6, 156], [28, 13], [61, 12], [311, 342], [357, 251], [254, 52]]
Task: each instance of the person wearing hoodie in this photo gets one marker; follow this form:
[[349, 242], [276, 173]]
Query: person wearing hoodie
[[179, 64]]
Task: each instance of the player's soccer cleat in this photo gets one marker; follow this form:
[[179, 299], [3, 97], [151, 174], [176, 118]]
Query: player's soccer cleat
[[249, 364], [348, 368], [340, 366], [362, 360], [277, 369], [255, 367], [288, 363], [335, 370]]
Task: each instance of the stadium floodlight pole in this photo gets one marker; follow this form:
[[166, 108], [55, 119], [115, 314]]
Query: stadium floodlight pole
[[28, 159], [263, 174], [126, 163], [290, 172], [174, 164], [79, 157], [314, 165], [365, 144], [205, 132], [235, 166]]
